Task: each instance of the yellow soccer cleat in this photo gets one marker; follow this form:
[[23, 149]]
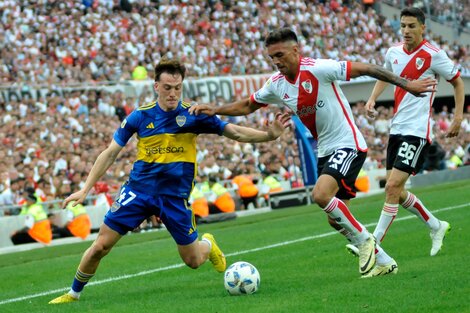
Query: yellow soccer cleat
[[63, 299], [216, 256], [366, 252]]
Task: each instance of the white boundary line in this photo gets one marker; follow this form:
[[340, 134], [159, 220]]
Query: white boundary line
[[170, 267]]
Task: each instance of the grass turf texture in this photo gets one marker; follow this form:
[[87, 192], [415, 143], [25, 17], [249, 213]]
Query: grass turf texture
[[304, 267]]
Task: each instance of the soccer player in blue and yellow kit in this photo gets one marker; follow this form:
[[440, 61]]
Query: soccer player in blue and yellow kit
[[162, 176]]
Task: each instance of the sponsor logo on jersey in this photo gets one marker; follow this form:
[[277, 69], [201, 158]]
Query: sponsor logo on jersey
[[124, 123], [306, 111], [163, 150], [419, 63], [286, 96], [307, 85], [150, 126], [181, 120], [309, 110], [395, 62]]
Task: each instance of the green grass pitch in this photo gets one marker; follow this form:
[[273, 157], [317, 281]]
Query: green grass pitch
[[303, 264]]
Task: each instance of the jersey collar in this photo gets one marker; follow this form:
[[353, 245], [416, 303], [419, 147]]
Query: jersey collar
[[415, 49]]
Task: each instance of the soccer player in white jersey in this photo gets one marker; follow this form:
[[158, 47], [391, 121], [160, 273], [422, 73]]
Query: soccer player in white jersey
[[310, 89], [410, 132]]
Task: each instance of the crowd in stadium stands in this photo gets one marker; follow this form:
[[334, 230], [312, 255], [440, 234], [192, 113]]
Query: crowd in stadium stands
[[449, 13], [50, 143], [63, 42]]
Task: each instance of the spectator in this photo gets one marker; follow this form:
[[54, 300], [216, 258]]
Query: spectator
[[382, 124], [435, 159], [199, 203], [37, 226], [246, 190], [220, 200], [270, 185], [78, 223], [139, 72], [60, 163]]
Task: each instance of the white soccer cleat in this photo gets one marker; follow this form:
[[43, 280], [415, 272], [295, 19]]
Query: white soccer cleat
[[366, 251], [385, 269], [438, 236]]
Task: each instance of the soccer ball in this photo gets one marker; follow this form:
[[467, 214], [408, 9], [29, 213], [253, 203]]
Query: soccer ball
[[241, 278]]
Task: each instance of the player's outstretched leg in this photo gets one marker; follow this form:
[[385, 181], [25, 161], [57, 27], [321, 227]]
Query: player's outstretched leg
[[216, 256], [102, 245], [438, 228], [438, 236], [339, 211], [79, 282]]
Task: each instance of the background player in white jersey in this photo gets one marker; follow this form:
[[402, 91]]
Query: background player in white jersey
[[414, 58], [310, 89]]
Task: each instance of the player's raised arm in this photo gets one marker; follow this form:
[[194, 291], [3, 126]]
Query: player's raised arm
[[241, 107], [416, 87]]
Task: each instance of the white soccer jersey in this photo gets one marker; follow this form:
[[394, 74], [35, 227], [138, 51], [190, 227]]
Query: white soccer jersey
[[412, 114], [317, 99]]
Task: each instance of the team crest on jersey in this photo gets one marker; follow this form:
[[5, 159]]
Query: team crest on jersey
[[180, 120], [419, 63], [307, 86]]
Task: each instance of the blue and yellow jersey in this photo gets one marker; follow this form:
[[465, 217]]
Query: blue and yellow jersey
[[166, 148]]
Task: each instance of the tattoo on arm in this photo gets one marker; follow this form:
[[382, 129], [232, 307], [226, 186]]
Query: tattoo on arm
[[385, 75]]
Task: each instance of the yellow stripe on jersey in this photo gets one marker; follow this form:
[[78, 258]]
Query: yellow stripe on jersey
[[167, 148], [148, 106], [185, 104]]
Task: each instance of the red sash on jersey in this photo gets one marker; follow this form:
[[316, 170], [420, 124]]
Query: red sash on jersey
[[308, 94], [412, 71]]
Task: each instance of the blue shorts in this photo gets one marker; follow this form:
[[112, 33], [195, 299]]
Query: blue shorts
[[132, 207]]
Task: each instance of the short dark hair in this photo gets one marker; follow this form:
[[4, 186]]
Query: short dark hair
[[280, 35], [169, 66], [31, 197], [415, 12]]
